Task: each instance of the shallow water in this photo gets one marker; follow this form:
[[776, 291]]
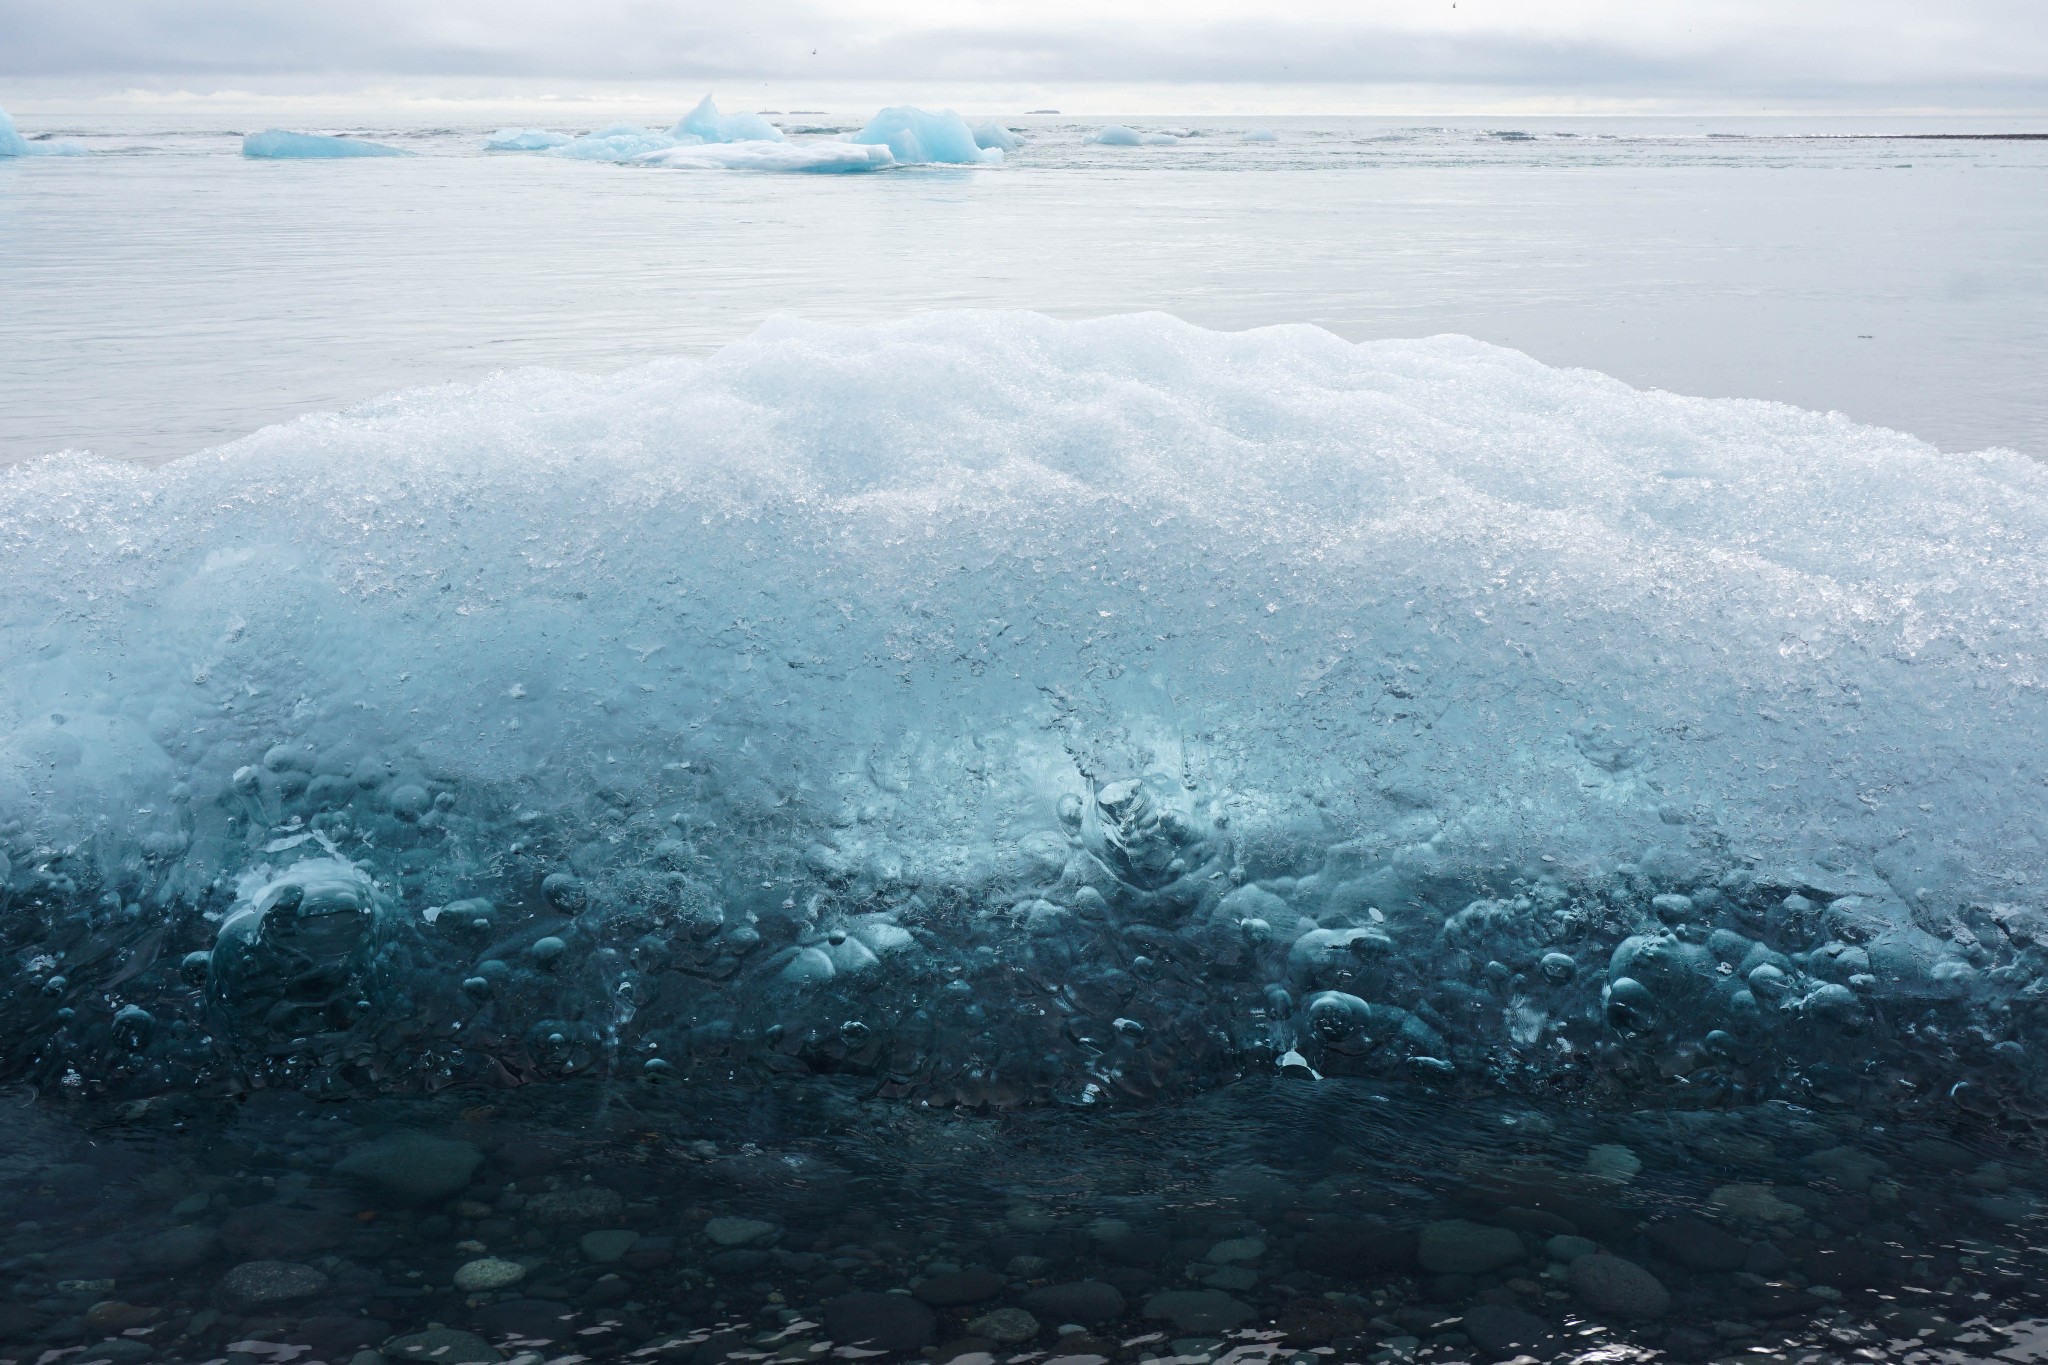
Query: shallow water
[[168, 295]]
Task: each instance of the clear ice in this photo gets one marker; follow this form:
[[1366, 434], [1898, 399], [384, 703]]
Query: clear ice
[[1011, 711], [918, 137], [12, 143], [1116, 135], [277, 144]]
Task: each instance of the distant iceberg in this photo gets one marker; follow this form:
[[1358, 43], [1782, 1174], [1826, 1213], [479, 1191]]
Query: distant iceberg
[[815, 157], [919, 137], [993, 136], [1262, 135], [619, 142], [706, 124], [275, 143], [1116, 135], [524, 140], [12, 143]]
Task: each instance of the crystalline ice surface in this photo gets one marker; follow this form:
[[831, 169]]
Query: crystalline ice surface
[[1116, 135], [993, 135], [919, 137], [618, 142], [1262, 135], [812, 157], [1094, 708], [708, 125], [12, 143], [524, 140], [277, 144]]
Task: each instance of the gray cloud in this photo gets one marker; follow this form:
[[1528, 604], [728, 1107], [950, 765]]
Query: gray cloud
[[1987, 52]]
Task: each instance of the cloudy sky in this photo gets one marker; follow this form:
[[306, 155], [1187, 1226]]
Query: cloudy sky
[[1868, 54]]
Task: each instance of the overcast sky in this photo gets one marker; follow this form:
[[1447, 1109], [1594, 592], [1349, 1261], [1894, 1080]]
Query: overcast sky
[[1857, 53]]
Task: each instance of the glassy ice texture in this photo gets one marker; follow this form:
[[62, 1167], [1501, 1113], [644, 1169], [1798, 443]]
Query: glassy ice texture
[[920, 137], [12, 143], [277, 144], [524, 140], [1116, 135], [1010, 711], [706, 124], [994, 135]]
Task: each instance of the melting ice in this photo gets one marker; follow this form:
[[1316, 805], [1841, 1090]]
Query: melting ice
[[1008, 711]]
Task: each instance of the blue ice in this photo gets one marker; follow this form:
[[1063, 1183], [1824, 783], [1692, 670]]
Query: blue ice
[[919, 137], [993, 135], [524, 140], [1262, 135], [12, 143], [1116, 135], [706, 124], [275, 143], [618, 142]]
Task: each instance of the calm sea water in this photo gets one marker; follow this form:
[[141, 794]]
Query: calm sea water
[[166, 294]]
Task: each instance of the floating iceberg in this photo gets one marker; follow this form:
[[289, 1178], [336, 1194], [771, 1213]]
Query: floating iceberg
[[277, 144], [1011, 711], [706, 124], [993, 136], [619, 142], [816, 157], [1262, 135], [525, 140], [918, 137], [12, 143], [1116, 135]]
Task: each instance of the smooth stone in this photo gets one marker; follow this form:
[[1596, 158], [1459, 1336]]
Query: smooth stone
[[1086, 1302], [1612, 1161], [1697, 1244], [1005, 1326], [1236, 1278], [117, 1315], [737, 1232], [115, 1351], [487, 1273], [1457, 1246], [1613, 1285], [1499, 1330], [1029, 1218], [1236, 1250], [177, 1248], [608, 1245], [442, 1346], [584, 1204], [1566, 1248], [1753, 1203], [413, 1166], [267, 1232], [255, 1283], [888, 1322], [1199, 1310], [959, 1287]]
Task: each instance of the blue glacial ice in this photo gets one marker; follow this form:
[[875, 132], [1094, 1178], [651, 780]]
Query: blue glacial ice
[[525, 140], [706, 124], [277, 144], [12, 143], [917, 137], [1116, 135], [618, 142], [822, 158], [1262, 135], [1013, 711], [994, 136]]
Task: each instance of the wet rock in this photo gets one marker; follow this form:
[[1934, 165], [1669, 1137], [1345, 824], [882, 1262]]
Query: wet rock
[[1610, 1284], [1087, 1302], [1457, 1246], [1005, 1326], [537, 1320], [1359, 1248], [412, 1168], [114, 1316], [488, 1273], [737, 1232], [115, 1351], [442, 1346], [608, 1244], [1236, 1251], [176, 1249], [896, 1323], [1754, 1204], [1500, 1331], [334, 1336], [1199, 1310], [958, 1287], [267, 1232], [583, 1204], [1569, 1249], [254, 1284], [1696, 1244]]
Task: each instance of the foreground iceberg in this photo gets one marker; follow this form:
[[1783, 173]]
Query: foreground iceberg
[[1010, 711], [525, 140], [1116, 135], [618, 142], [12, 143], [278, 144], [993, 136], [815, 157], [706, 124], [918, 137]]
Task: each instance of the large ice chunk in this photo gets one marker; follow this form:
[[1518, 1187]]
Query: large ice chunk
[[615, 142], [276, 143], [994, 136], [524, 140], [813, 157], [12, 143], [919, 137], [706, 124], [1117, 135], [1012, 710]]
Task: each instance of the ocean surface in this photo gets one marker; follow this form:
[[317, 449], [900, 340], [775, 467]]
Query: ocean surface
[[1227, 753], [165, 295]]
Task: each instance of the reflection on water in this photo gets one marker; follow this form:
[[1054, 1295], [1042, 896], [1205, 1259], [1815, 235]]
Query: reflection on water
[[1277, 1220]]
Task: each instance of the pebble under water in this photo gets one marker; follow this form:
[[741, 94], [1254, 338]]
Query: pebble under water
[[997, 840]]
